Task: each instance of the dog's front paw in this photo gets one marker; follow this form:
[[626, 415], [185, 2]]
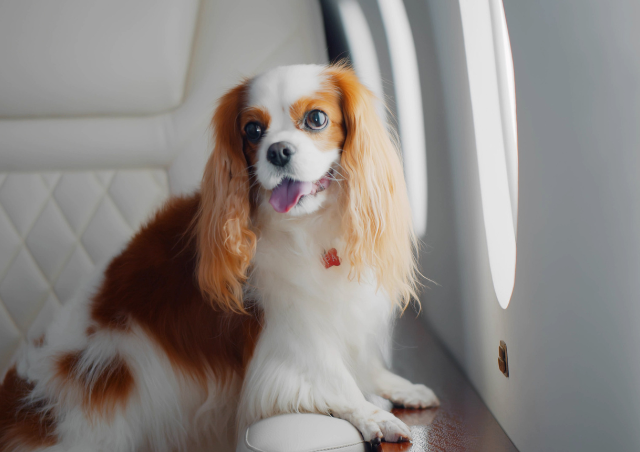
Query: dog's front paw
[[376, 424], [414, 396]]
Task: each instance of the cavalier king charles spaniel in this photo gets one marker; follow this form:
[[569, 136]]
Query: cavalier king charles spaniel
[[271, 290]]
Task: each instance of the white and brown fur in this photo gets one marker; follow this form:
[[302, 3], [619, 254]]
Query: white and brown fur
[[220, 312]]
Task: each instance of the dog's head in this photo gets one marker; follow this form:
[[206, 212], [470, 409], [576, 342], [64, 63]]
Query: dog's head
[[299, 138]]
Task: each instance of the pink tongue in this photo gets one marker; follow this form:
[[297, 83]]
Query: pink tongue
[[288, 193]]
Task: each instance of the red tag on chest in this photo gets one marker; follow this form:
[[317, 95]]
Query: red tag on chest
[[331, 259]]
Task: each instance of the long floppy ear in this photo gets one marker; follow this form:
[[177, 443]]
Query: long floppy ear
[[377, 221], [226, 243]]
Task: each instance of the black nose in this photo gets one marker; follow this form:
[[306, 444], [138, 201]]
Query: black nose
[[280, 153]]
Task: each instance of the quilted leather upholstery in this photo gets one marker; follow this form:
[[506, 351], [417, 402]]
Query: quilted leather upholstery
[[80, 170], [54, 228]]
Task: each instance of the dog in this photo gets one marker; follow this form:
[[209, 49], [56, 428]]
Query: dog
[[271, 290]]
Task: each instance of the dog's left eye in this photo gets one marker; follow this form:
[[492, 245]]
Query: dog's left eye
[[316, 120]]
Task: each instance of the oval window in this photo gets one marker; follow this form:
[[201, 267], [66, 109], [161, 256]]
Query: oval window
[[492, 88]]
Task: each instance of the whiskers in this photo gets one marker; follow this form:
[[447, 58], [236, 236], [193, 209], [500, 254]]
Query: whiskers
[[335, 172], [253, 177]]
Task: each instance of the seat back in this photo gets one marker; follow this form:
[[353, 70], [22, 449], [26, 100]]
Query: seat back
[[104, 112]]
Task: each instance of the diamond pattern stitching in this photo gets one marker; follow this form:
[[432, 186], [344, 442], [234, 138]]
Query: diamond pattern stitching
[[50, 224]]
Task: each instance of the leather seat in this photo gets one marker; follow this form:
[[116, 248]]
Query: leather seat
[[104, 112]]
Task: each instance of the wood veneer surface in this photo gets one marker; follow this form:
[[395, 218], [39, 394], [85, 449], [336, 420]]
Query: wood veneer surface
[[462, 422]]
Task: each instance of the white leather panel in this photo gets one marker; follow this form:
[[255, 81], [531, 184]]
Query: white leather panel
[[54, 228], [85, 143], [98, 57], [301, 433]]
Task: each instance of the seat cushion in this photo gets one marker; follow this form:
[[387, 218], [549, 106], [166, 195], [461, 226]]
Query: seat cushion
[[301, 433]]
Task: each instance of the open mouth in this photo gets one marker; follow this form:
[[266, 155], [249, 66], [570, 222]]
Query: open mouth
[[289, 192]]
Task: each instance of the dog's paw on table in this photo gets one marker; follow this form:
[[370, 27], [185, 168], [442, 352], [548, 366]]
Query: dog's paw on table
[[417, 420]]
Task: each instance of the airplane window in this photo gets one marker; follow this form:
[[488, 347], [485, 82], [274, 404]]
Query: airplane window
[[362, 31], [363, 51], [492, 88], [404, 66], [507, 91]]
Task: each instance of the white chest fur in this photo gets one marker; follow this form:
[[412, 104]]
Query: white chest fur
[[290, 277], [322, 325]]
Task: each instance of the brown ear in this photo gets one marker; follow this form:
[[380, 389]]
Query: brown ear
[[377, 222], [225, 241]]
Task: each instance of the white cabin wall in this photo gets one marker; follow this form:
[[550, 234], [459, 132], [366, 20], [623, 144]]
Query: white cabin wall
[[572, 325]]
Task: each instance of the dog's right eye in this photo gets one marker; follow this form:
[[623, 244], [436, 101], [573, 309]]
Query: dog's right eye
[[253, 131]]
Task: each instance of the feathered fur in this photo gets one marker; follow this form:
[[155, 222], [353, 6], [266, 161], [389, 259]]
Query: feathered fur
[[220, 312]]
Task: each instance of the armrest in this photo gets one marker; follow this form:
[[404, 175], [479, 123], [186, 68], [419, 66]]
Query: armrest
[[301, 433]]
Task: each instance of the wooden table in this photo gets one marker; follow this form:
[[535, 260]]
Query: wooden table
[[462, 422]]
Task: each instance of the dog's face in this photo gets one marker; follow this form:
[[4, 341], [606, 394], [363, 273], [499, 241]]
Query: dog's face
[[282, 139], [293, 135]]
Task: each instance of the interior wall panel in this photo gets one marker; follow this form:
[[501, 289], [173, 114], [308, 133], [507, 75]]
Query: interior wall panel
[[571, 328]]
